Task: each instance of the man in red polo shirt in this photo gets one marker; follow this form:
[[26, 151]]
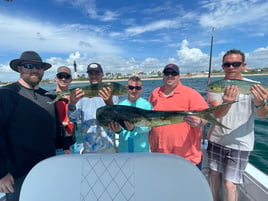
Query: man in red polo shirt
[[183, 138]]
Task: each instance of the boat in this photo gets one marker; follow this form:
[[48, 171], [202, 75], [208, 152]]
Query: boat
[[255, 187]]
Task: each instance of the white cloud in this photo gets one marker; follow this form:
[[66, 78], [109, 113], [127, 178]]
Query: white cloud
[[161, 24], [229, 13], [46, 37]]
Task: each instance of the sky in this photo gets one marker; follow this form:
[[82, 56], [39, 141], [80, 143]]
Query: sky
[[127, 36]]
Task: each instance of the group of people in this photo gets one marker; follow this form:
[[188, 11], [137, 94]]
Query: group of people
[[31, 129]]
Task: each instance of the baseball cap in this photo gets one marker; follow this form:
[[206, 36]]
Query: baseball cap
[[64, 69], [173, 67], [94, 67]]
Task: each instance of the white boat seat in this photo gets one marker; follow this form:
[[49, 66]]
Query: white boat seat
[[115, 177]]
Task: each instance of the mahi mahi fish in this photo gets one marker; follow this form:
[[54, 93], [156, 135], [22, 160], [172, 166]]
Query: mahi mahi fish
[[151, 118], [243, 85], [92, 90]]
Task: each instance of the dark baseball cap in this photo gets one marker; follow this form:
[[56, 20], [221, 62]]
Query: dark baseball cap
[[94, 67], [173, 67]]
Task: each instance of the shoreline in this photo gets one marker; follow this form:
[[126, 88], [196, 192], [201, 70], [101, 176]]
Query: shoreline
[[183, 76], [160, 78]]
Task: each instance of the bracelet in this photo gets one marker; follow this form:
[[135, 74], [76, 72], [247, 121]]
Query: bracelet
[[260, 106], [71, 107]]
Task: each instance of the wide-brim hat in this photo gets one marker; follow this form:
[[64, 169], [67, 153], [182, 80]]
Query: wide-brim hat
[[28, 56]]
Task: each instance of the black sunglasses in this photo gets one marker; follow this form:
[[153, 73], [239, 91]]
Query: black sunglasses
[[170, 73], [134, 87], [65, 76], [235, 64], [31, 66]]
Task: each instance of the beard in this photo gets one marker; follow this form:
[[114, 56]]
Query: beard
[[33, 79]]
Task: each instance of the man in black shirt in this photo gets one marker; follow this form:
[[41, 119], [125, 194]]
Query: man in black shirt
[[28, 124]]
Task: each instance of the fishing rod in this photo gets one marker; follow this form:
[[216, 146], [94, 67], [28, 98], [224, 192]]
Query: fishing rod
[[210, 55], [204, 134]]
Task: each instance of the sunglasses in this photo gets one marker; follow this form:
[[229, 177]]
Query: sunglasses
[[235, 64], [31, 66], [134, 87], [170, 73], [65, 76]]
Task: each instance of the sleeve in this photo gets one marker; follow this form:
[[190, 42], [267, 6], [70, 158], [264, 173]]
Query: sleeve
[[115, 100], [7, 107], [211, 97], [74, 115]]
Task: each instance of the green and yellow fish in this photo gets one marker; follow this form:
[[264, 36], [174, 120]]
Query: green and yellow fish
[[92, 90], [151, 118], [243, 85]]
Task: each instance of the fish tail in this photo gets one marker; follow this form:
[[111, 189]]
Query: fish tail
[[212, 109], [207, 114], [58, 97], [212, 120]]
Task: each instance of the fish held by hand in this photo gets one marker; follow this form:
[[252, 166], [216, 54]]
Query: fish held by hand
[[91, 90], [151, 118], [243, 85]]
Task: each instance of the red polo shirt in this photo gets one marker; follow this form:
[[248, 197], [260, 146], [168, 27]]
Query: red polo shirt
[[181, 138]]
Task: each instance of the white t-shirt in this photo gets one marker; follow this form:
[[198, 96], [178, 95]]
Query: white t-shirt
[[240, 120]]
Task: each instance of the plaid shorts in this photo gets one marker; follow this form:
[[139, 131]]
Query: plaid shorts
[[230, 162]]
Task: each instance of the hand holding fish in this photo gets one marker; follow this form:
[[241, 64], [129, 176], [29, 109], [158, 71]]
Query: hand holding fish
[[116, 127], [75, 95], [106, 94], [259, 93], [195, 121], [230, 94]]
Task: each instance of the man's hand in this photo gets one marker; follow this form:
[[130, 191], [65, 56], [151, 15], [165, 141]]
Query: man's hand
[[114, 126], [106, 94], [75, 95], [6, 184]]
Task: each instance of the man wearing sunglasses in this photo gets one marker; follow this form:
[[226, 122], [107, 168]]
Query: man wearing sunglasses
[[229, 149], [96, 139], [134, 139], [28, 124], [184, 138], [63, 80]]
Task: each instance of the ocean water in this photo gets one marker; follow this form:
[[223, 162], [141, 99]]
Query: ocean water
[[259, 157]]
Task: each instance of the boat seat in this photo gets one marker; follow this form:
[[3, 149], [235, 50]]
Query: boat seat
[[115, 177]]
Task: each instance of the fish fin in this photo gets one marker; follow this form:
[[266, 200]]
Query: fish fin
[[212, 120], [212, 109], [58, 97], [122, 124]]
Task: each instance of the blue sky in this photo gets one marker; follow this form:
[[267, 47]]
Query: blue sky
[[132, 35]]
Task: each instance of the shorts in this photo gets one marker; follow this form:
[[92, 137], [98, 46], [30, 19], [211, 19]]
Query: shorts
[[230, 162]]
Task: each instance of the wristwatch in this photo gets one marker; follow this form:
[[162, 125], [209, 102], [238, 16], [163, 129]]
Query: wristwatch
[[262, 106]]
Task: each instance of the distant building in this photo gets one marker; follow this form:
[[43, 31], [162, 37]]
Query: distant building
[[75, 71]]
